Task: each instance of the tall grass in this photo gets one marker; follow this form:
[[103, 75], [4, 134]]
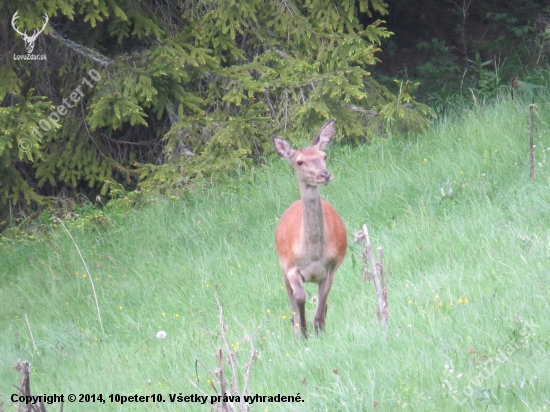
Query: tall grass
[[467, 243]]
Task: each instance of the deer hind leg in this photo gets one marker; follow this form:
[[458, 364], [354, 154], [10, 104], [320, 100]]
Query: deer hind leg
[[322, 295], [297, 297]]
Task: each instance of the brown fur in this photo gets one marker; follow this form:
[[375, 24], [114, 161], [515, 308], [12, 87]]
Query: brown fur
[[286, 234]]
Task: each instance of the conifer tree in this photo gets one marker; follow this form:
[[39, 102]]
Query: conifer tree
[[165, 91]]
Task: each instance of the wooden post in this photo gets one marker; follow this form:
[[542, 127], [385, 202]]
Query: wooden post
[[377, 273], [531, 144]]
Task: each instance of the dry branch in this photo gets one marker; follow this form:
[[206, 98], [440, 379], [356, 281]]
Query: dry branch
[[87, 272], [219, 376], [32, 337], [24, 389], [377, 273], [82, 50], [252, 357], [531, 144], [361, 110]]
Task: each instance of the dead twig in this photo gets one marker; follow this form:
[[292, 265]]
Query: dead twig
[[377, 273], [361, 110], [32, 337], [87, 272], [251, 358], [531, 143], [229, 393], [24, 390], [231, 355]]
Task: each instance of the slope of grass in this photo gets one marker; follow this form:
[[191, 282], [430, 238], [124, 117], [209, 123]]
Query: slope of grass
[[467, 243]]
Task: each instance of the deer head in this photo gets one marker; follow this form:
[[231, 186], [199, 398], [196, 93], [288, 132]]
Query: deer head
[[29, 40], [309, 162]]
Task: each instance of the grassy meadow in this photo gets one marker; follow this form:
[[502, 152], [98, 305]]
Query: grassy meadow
[[466, 236]]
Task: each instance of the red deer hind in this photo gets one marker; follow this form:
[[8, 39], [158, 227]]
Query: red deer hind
[[311, 237]]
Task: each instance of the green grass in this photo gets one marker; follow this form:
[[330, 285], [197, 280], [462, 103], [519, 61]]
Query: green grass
[[467, 242]]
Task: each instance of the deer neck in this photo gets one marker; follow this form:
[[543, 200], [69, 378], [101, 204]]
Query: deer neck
[[313, 224]]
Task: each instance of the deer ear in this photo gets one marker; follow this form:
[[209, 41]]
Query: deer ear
[[282, 147], [324, 137]]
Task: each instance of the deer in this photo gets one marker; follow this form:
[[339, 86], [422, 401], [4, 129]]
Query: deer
[[311, 238]]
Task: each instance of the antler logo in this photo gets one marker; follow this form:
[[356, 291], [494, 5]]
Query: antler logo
[[29, 40]]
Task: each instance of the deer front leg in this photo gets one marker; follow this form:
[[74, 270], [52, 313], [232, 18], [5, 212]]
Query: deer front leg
[[321, 312], [294, 318], [297, 297]]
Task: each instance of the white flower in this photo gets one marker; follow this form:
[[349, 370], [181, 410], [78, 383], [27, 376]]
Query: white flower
[[161, 334]]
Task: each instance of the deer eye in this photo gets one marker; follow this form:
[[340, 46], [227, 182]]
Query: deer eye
[[300, 162]]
